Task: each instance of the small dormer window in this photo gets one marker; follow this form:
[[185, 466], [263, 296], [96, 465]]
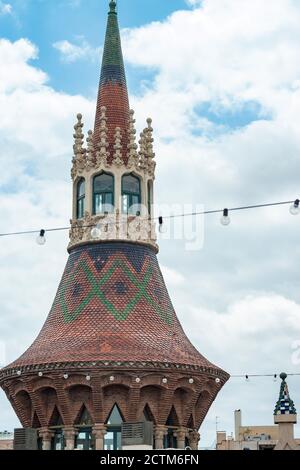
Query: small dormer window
[[103, 189], [131, 194], [80, 198]]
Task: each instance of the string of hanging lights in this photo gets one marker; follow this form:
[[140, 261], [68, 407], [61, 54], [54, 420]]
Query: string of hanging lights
[[225, 220], [275, 377]]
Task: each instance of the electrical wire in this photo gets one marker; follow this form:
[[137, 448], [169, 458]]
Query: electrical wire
[[158, 219], [243, 376]]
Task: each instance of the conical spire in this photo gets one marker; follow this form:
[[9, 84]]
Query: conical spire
[[284, 405], [113, 92]]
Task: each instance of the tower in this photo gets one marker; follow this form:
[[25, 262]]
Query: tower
[[285, 415], [112, 349]]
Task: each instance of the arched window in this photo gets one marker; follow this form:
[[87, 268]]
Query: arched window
[[131, 194], [103, 193], [80, 198], [150, 196]]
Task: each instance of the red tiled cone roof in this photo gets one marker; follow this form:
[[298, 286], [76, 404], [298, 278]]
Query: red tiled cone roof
[[113, 93], [112, 304]]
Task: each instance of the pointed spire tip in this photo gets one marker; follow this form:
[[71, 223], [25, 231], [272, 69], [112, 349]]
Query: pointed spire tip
[[112, 6]]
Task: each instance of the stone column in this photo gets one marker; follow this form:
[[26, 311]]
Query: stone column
[[286, 440], [194, 438], [89, 199], [181, 433], [69, 436], [159, 434], [99, 431], [46, 436]]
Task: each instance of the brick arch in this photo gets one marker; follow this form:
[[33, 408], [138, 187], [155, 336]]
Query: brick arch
[[40, 383], [78, 379], [56, 418], [48, 398], [24, 403], [184, 383], [119, 379], [181, 399], [203, 402], [83, 409], [191, 422], [80, 395], [147, 409], [116, 394], [19, 386], [173, 418], [155, 380], [151, 395]]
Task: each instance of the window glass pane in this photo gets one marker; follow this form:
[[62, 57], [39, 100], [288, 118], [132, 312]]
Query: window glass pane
[[80, 208], [109, 441], [119, 441], [108, 202], [81, 188], [104, 183], [115, 416], [125, 203], [149, 197], [135, 201], [108, 198], [98, 203], [131, 184]]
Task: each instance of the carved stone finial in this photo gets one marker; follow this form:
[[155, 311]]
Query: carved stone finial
[[103, 154], [142, 151], [78, 136], [149, 148], [132, 146], [79, 151], [118, 147], [90, 150]]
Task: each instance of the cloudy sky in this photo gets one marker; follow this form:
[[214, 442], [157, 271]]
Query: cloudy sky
[[221, 80]]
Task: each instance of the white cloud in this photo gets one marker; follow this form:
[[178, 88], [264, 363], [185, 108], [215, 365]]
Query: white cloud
[[71, 52], [5, 9], [253, 336], [219, 54], [174, 277]]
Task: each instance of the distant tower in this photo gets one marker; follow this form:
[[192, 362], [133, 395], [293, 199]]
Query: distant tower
[[112, 349], [285, 415]]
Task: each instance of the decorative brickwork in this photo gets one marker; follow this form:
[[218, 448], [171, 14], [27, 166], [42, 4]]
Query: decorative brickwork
[[113, 92], [112, 304]]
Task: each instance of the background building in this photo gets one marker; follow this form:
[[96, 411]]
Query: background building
[[112, 354], [6, 440], [279, 436]]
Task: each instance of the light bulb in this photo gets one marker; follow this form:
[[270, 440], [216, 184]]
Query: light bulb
[[41, 239], [295, 208], [218, 380], [162, 228], [96, 232], [225, 219]]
